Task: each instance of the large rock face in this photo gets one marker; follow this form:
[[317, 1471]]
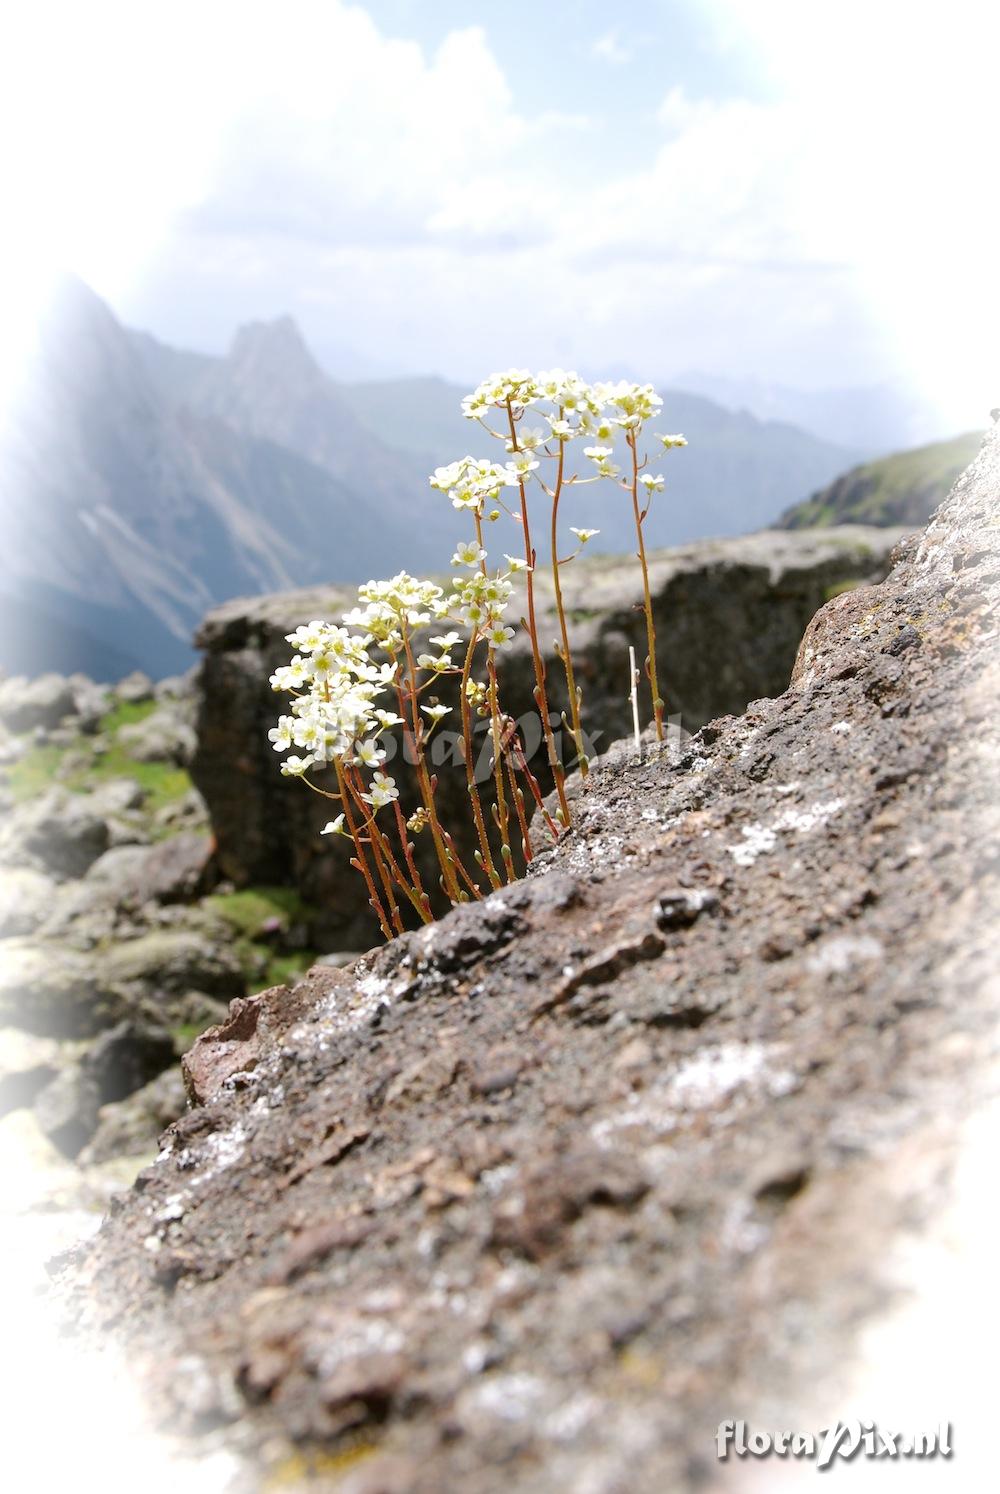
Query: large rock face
[[535, 1198], [729, 616]]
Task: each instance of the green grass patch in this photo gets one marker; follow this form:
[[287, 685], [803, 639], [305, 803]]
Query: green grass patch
[[34, 772], [163, 782], [283, 970], [127, 713], [247, 910]]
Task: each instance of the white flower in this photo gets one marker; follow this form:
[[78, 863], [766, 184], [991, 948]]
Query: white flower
[[468, 553], [447, 640], [671, 441], [598, 453], [652, 484], [583, 535], [370, 755], [522, 463], [280, 736], [387, 718], [384, 791], [435, 712], [499, 637], [335, 827], [530, 438], [294, 767], [517, 563], [308, 637], [561, 429]]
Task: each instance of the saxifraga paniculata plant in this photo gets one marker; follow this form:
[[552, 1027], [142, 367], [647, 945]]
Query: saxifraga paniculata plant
[[343, 677]]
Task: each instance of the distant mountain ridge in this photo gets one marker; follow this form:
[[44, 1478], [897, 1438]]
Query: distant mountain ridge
[[143, 484], [902, 489]]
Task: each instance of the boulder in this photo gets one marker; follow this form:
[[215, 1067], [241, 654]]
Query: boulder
[[42, 702], [729, 614], [539, 1196], [48, 987], [171, 870], [27, 1063], [131, 1127], [170, 962], [25, 900], [58, 833], [135, 688], [162, 737], [116, 796], [66, 1109]]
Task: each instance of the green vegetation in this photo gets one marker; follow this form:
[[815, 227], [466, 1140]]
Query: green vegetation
[[247, 912], [902, 489], [80, 767]]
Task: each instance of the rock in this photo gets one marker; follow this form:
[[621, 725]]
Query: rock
[[131, 1127], [135, 688], [175, 686], [190, 811], [66, 1109], [169, 871], [116, 796], [26, 901], [162, 737], [127, 1057], [446, 1214], [122, 1060], [27, 1063], [57, 833], [233, 1047], [51, 988], [90, 703], [733, 610], [172, 961], [42, 702]]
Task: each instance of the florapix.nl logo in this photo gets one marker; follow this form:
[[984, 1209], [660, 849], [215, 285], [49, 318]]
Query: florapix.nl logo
[[844, 1440]]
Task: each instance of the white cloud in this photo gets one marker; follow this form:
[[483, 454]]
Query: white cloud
[[833, 227], [609, 48]]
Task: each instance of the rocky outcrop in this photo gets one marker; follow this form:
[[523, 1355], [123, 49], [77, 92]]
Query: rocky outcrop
[[538, 1196], [729, 616]]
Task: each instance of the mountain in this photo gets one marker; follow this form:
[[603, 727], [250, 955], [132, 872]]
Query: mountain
[[735, 475], [873, 420], [142, 484], [126, 516], [904, 488]]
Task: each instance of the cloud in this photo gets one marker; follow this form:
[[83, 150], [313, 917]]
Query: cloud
[[829, 227], [608, 48]]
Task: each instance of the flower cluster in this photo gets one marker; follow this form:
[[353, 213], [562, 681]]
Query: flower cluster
[[377, 669], [334, 686], [472, 483]]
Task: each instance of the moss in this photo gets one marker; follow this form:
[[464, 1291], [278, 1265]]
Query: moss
[[34, 772], [247, 910], [127, 713], [38, 769]]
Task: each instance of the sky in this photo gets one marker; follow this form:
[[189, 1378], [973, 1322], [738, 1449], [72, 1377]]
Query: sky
[[762, 189]]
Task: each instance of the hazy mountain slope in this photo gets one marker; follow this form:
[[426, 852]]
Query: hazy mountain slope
[[271, 388], [125, 519], [901, 489], [873, 419], [735, 475]]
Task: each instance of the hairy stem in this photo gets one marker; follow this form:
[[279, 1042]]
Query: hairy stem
[[574, 699], [541, 698], [470, 770], [647, 598], [360, 860]]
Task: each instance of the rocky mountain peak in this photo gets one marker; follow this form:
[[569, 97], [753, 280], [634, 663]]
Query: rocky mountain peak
[[276, 350]]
